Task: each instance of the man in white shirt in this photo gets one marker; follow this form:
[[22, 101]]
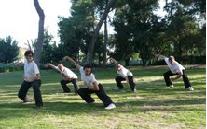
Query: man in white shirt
[[31, 79], [92, 86], [68, 76], [123, 74], [175, 69]]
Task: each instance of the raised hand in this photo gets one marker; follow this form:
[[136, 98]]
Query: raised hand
[[46, 65], [112, 60], [67, 58]]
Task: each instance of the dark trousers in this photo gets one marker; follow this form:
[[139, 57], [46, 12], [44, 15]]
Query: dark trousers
[[37, 93], [85, 94], [67, 89], [119, 79], [168, 81]]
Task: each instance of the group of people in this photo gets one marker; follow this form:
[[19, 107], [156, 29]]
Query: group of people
[[32, 79]]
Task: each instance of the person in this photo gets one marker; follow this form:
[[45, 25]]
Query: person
[[68, 76], [92, 85], [31, 79], [123, 74], [177, 70]]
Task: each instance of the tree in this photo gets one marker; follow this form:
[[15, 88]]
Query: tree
[[107, 9], [135, 25], [183, 28], [9, 50], [40, 38], [105, 42], [141, 31], [47, 53], [76, 32]]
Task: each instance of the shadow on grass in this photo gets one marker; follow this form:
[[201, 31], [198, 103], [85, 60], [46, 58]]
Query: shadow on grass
[[17, 110], [155, 87], [64, 104], [165, 105]]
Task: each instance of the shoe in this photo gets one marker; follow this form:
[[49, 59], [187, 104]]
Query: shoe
[[135, 90], [91, 101], [38, 107], [26, 100], [110, 106], [171, 86], [190, 88], [25, 103]]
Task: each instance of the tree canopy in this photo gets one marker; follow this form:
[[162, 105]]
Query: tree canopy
[[138, 29], [9, 50]]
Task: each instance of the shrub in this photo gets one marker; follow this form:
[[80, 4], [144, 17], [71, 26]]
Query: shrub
[[10, 68]]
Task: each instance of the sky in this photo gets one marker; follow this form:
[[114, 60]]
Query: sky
[[20, 20]]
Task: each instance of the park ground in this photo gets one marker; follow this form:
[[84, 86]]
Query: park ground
[[153, 106]]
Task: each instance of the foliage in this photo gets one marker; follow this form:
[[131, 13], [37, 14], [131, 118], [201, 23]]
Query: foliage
[[76, 31], [179, 33], [138, 29], [9, 68], [9, 50]]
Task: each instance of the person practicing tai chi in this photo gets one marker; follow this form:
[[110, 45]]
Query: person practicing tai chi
[[31, 79], [123, 74], [177, 70], [92, 86], [68, 76]]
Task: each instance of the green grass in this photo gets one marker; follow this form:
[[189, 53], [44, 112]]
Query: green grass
[[153, 107]]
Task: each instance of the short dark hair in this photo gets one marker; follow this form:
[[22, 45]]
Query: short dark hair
[[171, 58], [28, 52], [87, 66]]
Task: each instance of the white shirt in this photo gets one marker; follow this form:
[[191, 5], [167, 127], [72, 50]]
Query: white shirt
[[124, 72], [88, 80], [67, 72], [175, 67], [30, 71]]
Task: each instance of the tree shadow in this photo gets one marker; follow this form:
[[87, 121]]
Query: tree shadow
[[17, 110], [165, 105], [72, 104]]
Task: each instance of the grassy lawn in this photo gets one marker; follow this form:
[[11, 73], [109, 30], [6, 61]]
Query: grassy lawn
[[153, 106]]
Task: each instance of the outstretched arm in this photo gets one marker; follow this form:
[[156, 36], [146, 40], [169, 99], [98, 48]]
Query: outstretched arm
[[52, 66], [19, 64], [160, 57], [112, 60], [67, 58]]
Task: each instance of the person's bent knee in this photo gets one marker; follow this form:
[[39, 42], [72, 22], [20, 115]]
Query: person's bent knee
[[117, 79], [165, 75]]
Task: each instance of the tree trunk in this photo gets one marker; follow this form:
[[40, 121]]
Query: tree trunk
[[105, 41], [40, 38], [96, 31]]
